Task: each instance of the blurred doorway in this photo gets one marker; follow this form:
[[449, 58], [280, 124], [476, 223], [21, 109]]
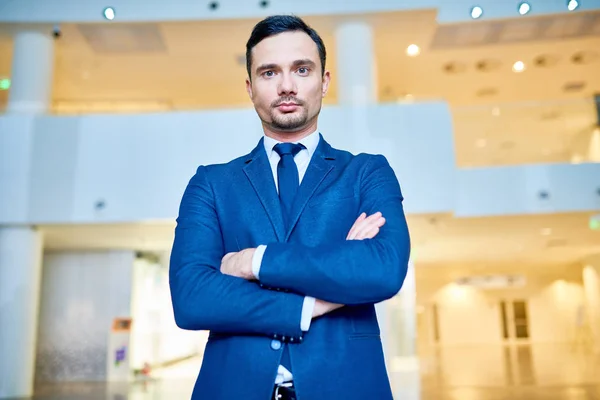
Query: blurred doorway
[[514, 320]]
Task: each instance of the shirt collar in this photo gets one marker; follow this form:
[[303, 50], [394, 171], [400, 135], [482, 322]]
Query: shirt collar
[[310, 142]]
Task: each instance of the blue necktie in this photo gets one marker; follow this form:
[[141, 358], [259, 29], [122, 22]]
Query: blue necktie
[[287, 176], [287, 182]]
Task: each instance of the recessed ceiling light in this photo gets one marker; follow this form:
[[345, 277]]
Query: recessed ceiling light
[[519, 66], [413, 50], [109, 13], [572, 5], [524, 8], [476, 12]]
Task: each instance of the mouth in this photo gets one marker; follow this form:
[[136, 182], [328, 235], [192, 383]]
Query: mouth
[[287, 107]]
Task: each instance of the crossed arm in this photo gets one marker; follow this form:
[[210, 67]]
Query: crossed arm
[[207, 297]]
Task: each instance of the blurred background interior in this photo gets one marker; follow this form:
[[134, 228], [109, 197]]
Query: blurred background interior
[[489, 113]]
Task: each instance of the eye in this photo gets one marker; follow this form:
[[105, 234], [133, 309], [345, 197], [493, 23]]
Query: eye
[[268, 74], [303, 71]]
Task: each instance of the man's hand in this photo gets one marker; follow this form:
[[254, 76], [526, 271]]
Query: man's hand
[[364, 228], [238, 264]]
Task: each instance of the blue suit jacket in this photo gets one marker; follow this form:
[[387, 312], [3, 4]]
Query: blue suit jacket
[[233, 206]]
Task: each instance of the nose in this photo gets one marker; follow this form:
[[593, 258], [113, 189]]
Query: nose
[[287, 84]]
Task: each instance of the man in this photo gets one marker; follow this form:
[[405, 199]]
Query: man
[[274, 252]]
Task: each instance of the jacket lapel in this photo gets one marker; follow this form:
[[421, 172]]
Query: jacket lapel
[[319, 167], [258, 171]]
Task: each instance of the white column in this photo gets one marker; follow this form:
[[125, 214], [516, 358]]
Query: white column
[[357, 82], [405, 311], [591, 286], [356, 67], [32, 71], [20, 275], [404, 361]]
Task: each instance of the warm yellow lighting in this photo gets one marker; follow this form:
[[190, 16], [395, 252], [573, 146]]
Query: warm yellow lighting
[[519, 66], [413, 50]]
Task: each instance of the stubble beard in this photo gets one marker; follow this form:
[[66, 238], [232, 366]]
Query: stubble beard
[[289, 121]]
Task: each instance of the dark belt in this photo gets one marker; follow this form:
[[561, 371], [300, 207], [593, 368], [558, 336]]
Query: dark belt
[[284, 392]]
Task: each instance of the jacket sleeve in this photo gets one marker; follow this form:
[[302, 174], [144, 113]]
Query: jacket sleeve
[[205, 299], [350, 272]]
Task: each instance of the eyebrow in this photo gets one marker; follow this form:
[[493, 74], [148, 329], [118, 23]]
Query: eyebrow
[[297, 63]]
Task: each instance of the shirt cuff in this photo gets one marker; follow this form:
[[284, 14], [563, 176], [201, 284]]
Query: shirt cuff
[[257, 260], [307, 310]]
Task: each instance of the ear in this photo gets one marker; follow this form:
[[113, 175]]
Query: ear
[[325, 83], [249, 87]]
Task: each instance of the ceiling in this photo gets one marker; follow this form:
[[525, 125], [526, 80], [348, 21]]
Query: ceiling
[[500, 117], [517, 241]]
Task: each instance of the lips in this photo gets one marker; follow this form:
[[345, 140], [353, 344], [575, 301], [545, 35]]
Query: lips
[[286, 107]]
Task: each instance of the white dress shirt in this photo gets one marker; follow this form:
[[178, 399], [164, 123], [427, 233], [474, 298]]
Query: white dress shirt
[[302, 160]]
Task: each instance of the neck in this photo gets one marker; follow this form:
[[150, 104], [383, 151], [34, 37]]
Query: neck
[[290, 136]]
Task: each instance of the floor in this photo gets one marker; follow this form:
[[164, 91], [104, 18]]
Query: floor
[[548, 372]]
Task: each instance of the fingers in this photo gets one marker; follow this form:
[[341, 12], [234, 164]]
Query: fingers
[[371, 230], [352, 231], [366, 228]]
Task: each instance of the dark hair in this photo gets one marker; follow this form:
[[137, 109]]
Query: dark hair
[[276, 24]]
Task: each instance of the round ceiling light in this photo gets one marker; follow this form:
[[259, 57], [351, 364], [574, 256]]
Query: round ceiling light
[[476, 12], [519, 66], [572, 5], [109, 13], [413, 50], [524, 8]]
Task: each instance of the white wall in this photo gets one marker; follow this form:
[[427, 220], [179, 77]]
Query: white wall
[[81, 294], [467, 316], [471, 316], [553, 311]]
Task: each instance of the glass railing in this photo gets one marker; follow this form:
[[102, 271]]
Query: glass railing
[[552, 131]]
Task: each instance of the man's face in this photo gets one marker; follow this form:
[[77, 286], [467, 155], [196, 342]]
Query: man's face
[[287, 85]]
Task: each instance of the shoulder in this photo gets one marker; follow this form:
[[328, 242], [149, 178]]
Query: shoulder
[[221, 172], [360, 160]]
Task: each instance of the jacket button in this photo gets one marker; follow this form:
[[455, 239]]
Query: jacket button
[[275, 344]]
